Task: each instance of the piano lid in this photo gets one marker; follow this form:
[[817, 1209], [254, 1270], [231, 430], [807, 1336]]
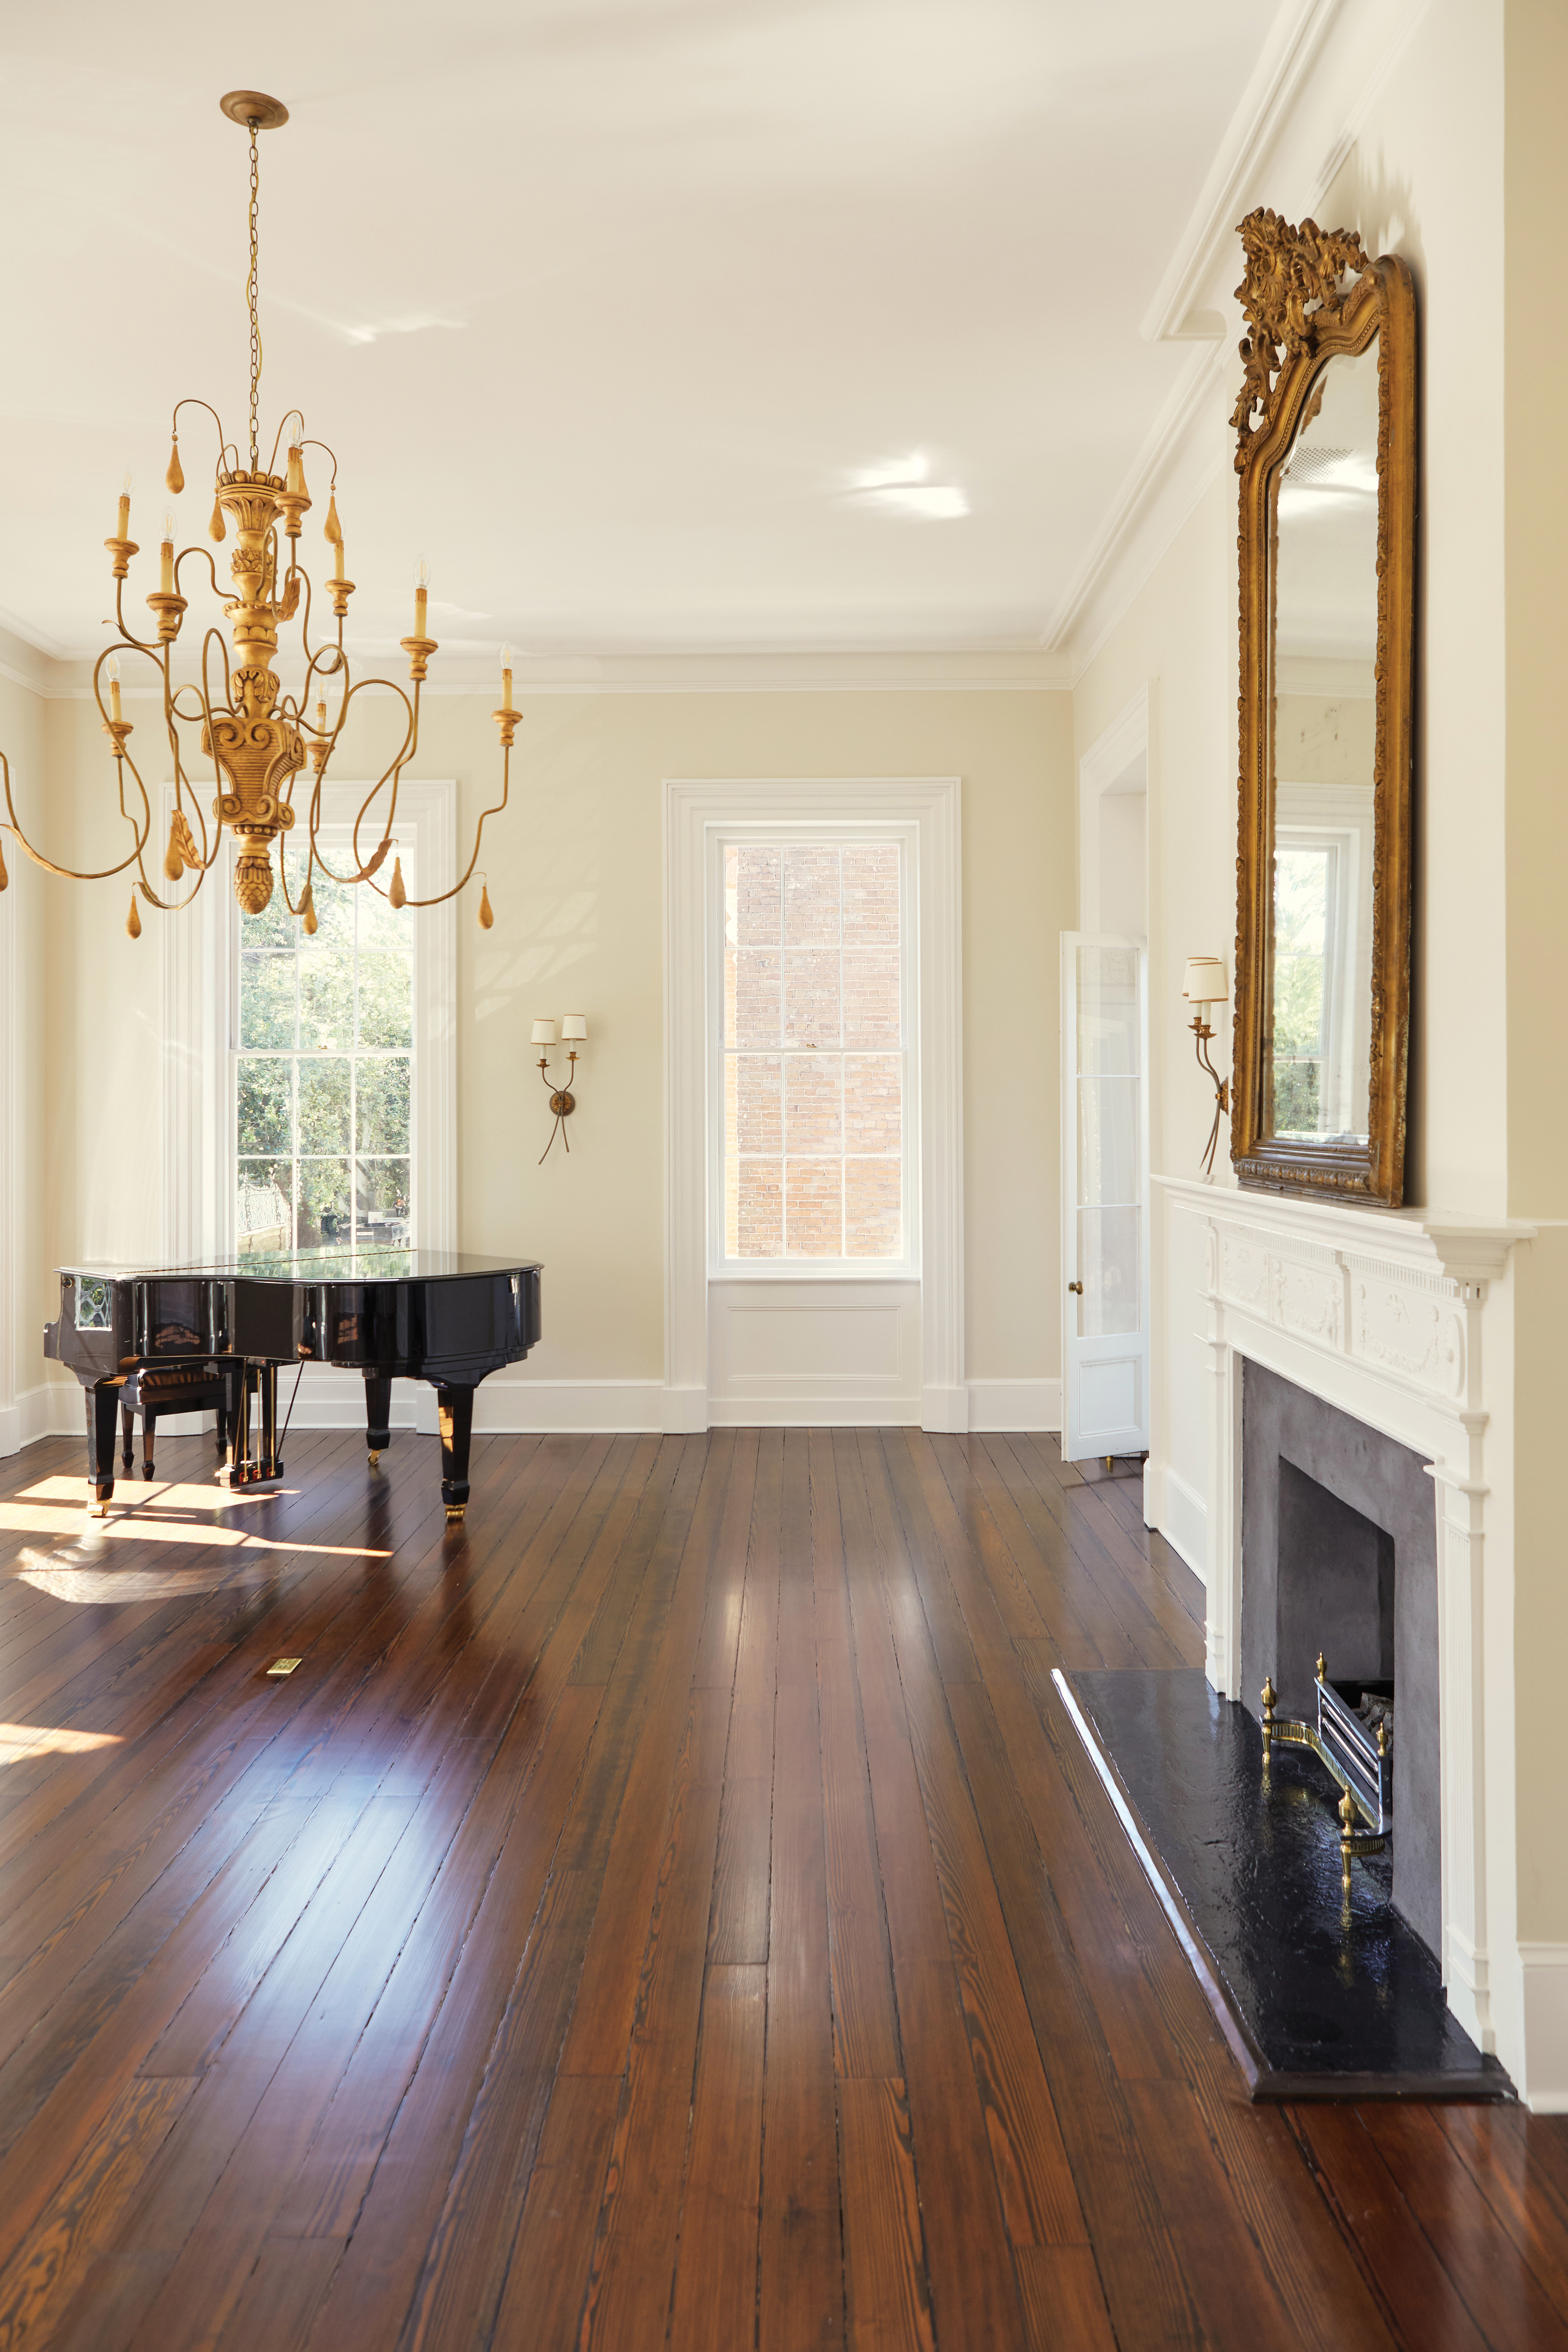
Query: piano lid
[[371, 1263]]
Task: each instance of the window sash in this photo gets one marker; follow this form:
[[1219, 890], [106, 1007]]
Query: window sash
[[355, 1161], [852, 1164]]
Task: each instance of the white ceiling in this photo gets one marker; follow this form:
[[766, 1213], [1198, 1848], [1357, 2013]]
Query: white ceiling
[[606, 307]]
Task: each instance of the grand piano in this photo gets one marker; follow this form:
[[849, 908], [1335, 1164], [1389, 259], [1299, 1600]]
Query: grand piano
[[186, 1335]]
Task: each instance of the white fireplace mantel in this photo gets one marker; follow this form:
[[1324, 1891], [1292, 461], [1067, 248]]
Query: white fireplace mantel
[[1381, 1313]]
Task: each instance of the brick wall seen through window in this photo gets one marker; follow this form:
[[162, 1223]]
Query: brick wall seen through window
[[814, 1051]]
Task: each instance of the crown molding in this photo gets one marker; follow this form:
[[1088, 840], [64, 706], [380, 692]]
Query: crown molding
[[1320, 74], [1033, 670], [1288, 55], [1112, 559]]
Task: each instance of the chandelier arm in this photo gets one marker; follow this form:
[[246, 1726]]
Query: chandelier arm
[[273, 461], [70, 873], [466, 874], [209, 706], [191, 401], [170, 906], [143, 832], [283, 881], [298, 571], [128, 635], [202, 555]]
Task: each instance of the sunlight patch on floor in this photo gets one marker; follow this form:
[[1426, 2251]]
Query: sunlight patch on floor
[[137, 1494], [88, 1560], [27, 1740]]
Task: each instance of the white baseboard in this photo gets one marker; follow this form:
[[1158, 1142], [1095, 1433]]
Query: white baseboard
[[1543, 2080], [814, 1413], [53, 1408], [1015, 1405], [330, 1398], [944, 1410], [683, 1412], [1180, 1513], [334, 1399]]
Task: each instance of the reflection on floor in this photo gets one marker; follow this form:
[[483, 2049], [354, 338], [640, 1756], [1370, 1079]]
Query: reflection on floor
[[672, 1907]]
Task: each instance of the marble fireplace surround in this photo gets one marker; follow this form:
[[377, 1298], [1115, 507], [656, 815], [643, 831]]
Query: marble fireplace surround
[[1383, 1314]]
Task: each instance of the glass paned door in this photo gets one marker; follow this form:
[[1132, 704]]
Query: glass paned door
[[1105, 1192]]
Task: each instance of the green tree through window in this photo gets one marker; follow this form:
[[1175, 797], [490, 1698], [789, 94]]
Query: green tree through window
[[323, 1074]]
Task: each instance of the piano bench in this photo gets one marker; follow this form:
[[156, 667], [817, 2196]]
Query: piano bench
[[179, 1388]]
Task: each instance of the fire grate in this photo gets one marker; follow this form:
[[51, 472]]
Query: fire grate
[[1353, 1736]]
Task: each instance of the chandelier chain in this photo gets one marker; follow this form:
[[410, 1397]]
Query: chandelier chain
[[250, 295]]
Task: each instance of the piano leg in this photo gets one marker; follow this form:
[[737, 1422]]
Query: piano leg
[[241, 1471], [267, 1387], [102, 1401], [127, 1417], [455, 1418], [377, 1415]]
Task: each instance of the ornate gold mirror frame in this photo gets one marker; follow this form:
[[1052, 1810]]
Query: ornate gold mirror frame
[[1301, 315]]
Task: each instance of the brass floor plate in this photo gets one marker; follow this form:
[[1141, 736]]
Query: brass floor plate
[[284, 1666]]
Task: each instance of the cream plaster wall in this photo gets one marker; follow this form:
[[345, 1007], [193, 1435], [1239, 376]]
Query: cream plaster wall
[[1178, 638], [575, 878], [1536, 194], [23, 1283]]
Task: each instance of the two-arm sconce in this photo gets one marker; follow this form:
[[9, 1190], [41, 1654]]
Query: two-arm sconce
[[563, 1101], [1204, 985]]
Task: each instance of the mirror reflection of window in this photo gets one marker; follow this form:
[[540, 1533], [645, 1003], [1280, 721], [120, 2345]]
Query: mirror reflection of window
[[1324, 734]]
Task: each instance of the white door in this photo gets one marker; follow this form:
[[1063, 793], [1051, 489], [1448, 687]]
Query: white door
[[1105, 1196]]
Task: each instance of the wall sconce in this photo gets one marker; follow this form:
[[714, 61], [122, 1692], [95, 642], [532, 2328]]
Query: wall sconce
[[1204, 985], [563, 1101]]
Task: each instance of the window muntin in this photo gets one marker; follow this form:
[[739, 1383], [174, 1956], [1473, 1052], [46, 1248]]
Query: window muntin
[[814, 1051], [323, 1073]]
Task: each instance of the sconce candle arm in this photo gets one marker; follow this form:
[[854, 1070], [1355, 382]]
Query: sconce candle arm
[[1203, 1034]]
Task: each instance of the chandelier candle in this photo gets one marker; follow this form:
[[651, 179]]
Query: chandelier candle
[[251, 739]]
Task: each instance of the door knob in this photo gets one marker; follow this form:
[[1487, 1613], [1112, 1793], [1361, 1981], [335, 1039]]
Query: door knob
[[1077, 1286]]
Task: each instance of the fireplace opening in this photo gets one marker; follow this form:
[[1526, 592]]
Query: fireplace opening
[[1339, 1554], [1334, 1592]]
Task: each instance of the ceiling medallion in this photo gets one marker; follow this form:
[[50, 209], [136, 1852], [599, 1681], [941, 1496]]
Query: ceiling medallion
[[258, 737]]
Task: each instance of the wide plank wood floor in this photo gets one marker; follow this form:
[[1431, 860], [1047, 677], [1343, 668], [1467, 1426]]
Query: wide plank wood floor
[[671, 1910]]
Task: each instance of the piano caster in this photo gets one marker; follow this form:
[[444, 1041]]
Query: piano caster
[[455, 1513], [98, 1510], [374, 1458]]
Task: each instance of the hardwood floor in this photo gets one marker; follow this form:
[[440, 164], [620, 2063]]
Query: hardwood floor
[[672, 1909]]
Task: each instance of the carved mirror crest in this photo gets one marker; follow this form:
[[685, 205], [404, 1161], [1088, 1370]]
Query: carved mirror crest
[[1326, 426]]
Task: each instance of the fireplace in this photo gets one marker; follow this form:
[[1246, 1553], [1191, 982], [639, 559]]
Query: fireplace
[[1383, 1318], [1339, 1554]]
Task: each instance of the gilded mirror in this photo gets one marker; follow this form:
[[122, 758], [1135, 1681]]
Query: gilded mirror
[[1326, 426]]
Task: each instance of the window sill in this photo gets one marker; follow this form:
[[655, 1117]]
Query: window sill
[[811, 1269]]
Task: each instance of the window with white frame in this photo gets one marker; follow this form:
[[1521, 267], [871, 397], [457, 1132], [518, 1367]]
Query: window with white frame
[[814, 1050], [324, 1050]]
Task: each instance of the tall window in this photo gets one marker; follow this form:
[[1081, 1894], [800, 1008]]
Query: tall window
[[324, 1074], [814, 1050]]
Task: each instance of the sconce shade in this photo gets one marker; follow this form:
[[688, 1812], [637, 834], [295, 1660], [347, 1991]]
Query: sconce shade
[[1206, 980], [573, 1029], [544, 1033]]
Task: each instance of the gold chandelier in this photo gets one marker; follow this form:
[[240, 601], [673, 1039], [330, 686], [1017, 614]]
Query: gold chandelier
[[258, 737]]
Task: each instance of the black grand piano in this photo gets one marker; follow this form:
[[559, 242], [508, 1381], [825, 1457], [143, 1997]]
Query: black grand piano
[[171, 1338]]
